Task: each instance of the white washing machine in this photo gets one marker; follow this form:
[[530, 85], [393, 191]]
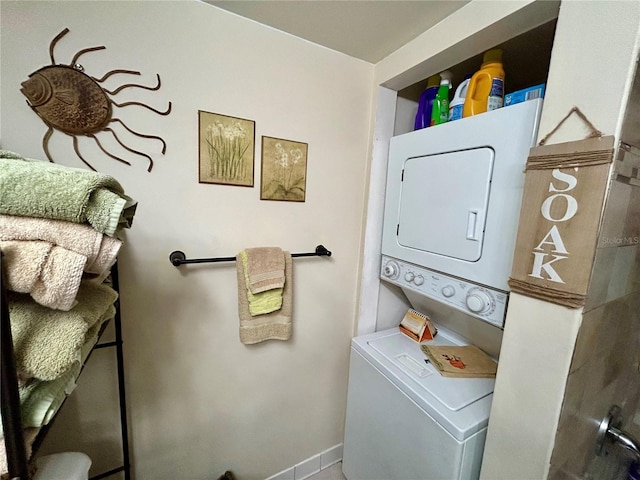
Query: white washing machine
[[404, 420]]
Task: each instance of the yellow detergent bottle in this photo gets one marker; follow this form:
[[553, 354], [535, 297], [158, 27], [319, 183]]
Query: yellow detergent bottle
[[486, 88]]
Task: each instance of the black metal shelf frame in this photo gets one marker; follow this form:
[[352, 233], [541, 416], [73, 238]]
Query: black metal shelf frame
[[17, 461]]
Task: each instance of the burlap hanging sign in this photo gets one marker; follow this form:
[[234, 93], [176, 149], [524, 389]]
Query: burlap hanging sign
[[564, 190]]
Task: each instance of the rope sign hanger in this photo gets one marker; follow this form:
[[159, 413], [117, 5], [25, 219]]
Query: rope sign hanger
[[592, 150], [594, 131]]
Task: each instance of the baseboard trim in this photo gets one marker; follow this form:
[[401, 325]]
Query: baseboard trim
[[311, 465]]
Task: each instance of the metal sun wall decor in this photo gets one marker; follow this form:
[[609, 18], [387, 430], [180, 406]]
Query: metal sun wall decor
[[73, 102]]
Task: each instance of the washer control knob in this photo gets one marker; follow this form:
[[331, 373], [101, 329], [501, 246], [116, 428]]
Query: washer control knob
[[478, 301], [448, 291], [409, 276], [391, 270], [419, 280]]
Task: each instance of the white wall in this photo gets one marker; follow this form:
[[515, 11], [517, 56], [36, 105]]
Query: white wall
[[200, 402]]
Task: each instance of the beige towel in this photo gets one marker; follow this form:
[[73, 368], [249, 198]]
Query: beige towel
[[270, 326], [263, 302], [101, 250], [265, 268], [51, 274]]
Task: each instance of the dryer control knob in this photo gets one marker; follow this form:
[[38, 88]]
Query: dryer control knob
[[448, 291], [478, 301], [419, 280], [391, 270], [409, 276]]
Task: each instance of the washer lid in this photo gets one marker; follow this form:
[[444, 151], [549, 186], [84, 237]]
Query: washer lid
[[423, 378]]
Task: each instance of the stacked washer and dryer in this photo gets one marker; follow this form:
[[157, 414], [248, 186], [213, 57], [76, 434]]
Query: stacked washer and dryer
[[451, 214]]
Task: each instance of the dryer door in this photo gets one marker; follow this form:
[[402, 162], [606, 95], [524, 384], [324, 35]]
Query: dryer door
[[443, 203]]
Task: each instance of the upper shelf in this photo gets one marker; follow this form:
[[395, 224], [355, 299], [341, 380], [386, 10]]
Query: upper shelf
[[526, 61]]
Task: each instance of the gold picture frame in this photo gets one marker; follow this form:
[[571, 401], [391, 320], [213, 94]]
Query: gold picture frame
[[226, 149], [284, 170]]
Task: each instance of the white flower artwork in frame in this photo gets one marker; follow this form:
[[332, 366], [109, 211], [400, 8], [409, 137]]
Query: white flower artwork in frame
[[227, 147], [284, 170]]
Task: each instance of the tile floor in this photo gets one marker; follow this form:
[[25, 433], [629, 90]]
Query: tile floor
[[334, 472]]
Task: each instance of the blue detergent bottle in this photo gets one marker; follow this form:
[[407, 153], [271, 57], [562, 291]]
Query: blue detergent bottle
[[425, 104]]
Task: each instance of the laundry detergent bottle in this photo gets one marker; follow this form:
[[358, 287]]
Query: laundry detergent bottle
[[425, 104], [456, 105], [486, 88], [440, 110]]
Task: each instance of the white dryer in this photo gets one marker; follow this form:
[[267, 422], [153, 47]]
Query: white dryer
[[407, 422], [452, 202]]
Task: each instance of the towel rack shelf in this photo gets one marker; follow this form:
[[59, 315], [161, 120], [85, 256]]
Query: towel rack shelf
[[17, 459], [178, 258]]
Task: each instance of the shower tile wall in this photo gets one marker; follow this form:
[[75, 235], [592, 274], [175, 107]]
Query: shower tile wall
[[605, 369]]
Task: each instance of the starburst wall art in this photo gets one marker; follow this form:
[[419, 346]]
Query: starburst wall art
[[284, 170], [226, 149], [75, 103]]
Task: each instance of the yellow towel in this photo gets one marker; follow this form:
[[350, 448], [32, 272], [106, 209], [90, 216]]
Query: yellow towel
[[276, 325], [266, 301]]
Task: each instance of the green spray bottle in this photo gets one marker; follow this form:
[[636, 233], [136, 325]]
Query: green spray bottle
[[440, 110]]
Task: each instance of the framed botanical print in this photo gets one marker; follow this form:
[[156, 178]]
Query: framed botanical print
[[284, 170], [227, 146]]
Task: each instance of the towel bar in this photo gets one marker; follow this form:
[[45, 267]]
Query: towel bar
[[178, 258]]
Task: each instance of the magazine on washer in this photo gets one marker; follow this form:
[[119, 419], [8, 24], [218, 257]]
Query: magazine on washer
[[460, 361]]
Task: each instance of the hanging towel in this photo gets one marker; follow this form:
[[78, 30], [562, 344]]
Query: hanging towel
[[265, 269], [264, 302], [50, 274], [276, 325], [46, 342], [101, 250], [34, 188]]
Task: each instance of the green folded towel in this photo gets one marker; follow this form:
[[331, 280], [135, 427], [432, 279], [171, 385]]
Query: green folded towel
[[34, 188], [40, 400], [46, 342], [263, 302]]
